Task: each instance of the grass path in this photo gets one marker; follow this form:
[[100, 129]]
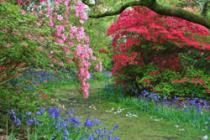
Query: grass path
[[142, 127]]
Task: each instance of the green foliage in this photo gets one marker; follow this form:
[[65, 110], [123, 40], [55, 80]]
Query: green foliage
[[170, 83], [96, 29], [26, 41]]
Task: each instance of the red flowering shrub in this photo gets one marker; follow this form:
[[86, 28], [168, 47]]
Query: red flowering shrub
[[142, 37]]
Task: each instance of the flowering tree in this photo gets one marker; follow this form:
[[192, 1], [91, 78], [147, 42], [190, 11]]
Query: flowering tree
[[156, 29], [142, 37], [67, 18]]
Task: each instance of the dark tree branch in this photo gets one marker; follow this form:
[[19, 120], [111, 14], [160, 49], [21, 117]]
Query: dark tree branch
[[121, 9], [86, 2], [180, 13], [153, 5]]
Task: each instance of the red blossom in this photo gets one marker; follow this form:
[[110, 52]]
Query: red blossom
[[140, 24]]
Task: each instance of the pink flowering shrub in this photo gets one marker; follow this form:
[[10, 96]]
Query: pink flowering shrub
[[71, 36]]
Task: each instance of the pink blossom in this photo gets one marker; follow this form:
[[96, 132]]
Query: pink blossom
[[23, 12], [60, 18], [99, 67], [75, 38], [66, 50]]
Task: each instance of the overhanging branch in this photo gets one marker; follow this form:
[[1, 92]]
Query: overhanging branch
[[121, 9], [86, 2], [153, 5]]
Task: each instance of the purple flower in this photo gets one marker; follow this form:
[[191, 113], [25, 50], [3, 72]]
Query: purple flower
[[65, 124], [28, 113], [97, 121], [18, 122], [54, 112], [35, 121], [116, 127], [115, 138], [30, 122], [97, 131], [74, 121], [90, 137], [89, 123], [58, 125], [42, 110], [38, 113], [66, 132]]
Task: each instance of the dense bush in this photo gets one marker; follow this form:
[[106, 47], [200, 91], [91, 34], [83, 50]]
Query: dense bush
[[164, 54]]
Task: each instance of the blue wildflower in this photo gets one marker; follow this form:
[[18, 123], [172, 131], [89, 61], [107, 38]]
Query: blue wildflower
[[18, 122], [116, 138], [90, 137], [29, 113], [38, 113], [35, 121], [65, 124], [98, 131], [66, 132], [74, 121], [54, 112], [30, 122], [97, 121], [58, 125], [89, 123], [42, 110], [116, 127]]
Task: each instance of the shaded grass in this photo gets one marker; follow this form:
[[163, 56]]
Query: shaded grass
[[149, 125]]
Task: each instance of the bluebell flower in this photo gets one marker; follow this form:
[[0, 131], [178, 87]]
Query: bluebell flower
[[42, 110], [97, 121], [58, 125], [38, 113], [98, 131], [144, 92], [66, 132], [175, 99], [74, 121], [29, 113], [54, 112], [12, 115], [90, 137], [192, 102], [30, 122], [83, 138], [116, 138], [35, 121], [65, 124], [88, 123], [18, 122], [116, 127]]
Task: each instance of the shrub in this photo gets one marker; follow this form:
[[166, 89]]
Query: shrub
[[154, 52]]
